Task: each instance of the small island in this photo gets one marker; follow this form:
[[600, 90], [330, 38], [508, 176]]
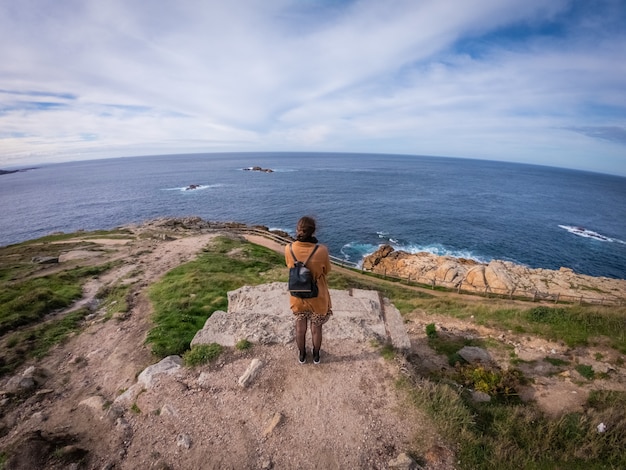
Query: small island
[[258, 168], [8, 172]]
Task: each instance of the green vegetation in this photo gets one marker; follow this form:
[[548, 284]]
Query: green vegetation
[[35, 342], [506, 433], [575, 325], [31, 294], [555, 361], [190, 293], [450, 347], [27, 301], [243, 344], [586, 371], [201, 354], [495, 383], [509, 434], [114, 299], [387, 351]]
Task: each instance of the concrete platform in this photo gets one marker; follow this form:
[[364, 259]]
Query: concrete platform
[[261, 314]]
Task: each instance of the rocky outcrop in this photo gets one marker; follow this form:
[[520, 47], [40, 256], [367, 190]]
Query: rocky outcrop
[[258, 168], [498, 277]]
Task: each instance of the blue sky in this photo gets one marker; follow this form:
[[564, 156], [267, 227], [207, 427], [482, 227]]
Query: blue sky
[[536, 81]]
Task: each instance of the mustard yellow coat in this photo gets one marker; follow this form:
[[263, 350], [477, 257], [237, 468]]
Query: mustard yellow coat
[[319, 265]]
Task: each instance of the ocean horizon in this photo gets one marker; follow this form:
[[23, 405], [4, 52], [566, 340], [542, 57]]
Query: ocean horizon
[[540, 217]]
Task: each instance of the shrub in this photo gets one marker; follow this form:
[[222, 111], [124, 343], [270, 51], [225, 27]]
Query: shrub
[[431, 330]]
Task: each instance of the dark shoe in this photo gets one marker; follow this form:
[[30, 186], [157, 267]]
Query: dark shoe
[[302, 357], [316, 356]]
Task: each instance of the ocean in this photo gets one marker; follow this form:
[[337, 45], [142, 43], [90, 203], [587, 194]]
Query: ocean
[[537, 216]]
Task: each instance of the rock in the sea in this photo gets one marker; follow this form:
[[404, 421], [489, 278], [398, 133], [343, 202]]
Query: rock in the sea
[[258, 168]]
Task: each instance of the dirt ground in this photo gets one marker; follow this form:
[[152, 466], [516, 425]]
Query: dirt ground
[[344, 413]]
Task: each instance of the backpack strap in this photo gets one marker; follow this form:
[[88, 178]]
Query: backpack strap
[[312, 253], [296, 259]]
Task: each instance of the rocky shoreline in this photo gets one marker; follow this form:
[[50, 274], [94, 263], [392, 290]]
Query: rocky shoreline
[[496, 277], [463, 275]]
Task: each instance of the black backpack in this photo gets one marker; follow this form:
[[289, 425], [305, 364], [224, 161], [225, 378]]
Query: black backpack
[[301, 281]]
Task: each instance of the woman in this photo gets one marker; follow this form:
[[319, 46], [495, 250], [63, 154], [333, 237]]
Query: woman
[[315, 310]]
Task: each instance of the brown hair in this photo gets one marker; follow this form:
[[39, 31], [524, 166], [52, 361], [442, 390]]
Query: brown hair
[[305, 228]]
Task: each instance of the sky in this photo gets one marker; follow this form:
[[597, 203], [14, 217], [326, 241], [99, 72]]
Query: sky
[[534, 81]]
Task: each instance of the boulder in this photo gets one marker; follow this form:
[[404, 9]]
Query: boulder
[[475, 355], [497, 277], [369, 262], [475, 277], [45, 259], [449, 271], [169, 365]]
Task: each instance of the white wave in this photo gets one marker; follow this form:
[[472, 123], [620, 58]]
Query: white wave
[[280, 229], [358, 251], [586, 233], [440, 250]]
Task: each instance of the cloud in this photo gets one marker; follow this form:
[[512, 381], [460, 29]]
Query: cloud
[[610, 133], [399, 76]]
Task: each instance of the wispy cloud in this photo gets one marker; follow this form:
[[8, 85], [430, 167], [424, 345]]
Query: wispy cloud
[[523, 80]]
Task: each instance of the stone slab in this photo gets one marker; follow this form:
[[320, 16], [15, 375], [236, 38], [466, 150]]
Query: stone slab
[[262, 314]]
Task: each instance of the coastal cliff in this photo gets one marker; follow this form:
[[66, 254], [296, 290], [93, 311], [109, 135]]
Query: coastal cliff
[[497, 277]]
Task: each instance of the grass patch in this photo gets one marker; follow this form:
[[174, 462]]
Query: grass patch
[[188, 295], [387, 351], [243, 344], [495, 435], [114, 299], [431, 331], [555, 361], [586, 371], [575, 325], [28, 301], [450, 346], [36, 342], [201, 354]]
